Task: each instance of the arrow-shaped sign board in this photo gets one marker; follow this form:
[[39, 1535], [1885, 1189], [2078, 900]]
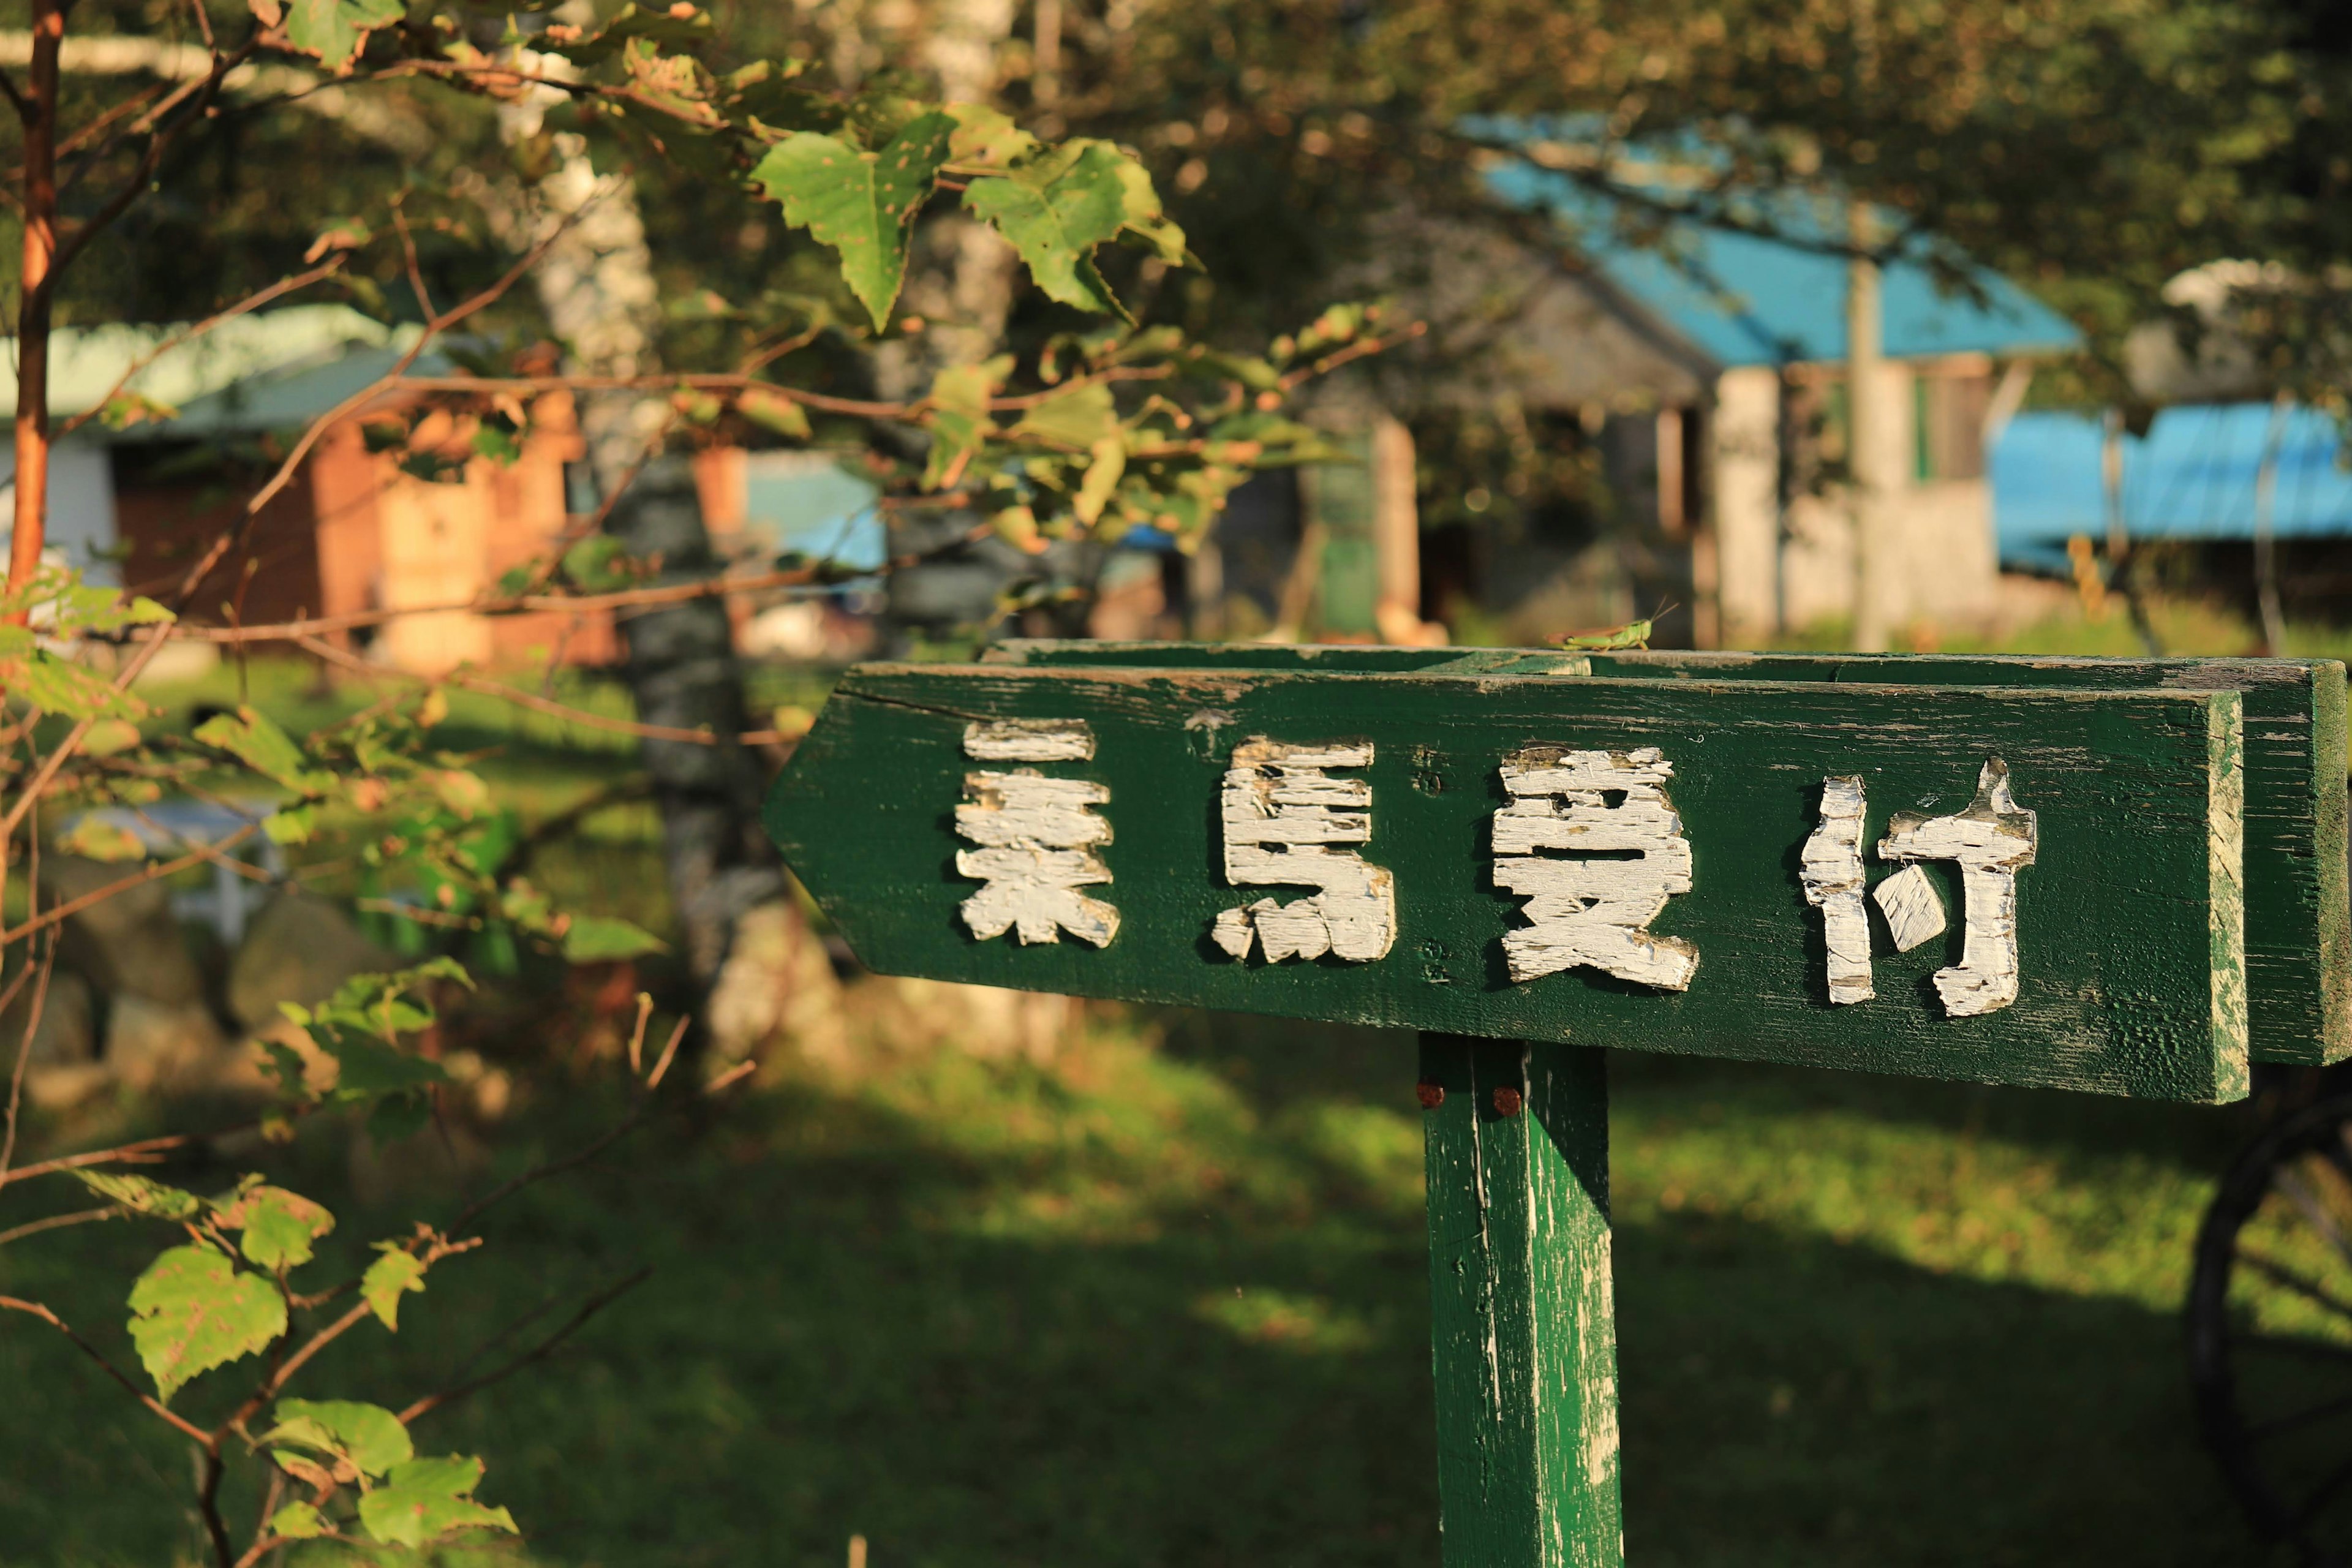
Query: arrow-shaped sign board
[[2298, 896], [2009, 884]]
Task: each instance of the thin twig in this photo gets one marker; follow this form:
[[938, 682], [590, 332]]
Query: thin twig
[[536, 704], [155, 868], [144, 1151], [538, 1352], [32, 1028], [631, 1123], [60, 1221], [570, 603], [653, 1078], [34, 1309], [276, 290]]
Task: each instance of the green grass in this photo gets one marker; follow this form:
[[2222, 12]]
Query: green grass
[[1166, 1303]]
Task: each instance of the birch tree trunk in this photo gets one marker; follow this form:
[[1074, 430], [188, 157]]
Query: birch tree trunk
[[761, 973]]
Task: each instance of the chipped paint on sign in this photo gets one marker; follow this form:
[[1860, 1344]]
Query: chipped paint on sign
[[1832, 879], [1029, 741], [1990, 841], [1037, 836], [1582, 909], [1914, 909], [1284, 820]]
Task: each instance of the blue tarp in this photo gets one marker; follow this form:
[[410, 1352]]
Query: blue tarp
[[2191, 477], [1743, 300]]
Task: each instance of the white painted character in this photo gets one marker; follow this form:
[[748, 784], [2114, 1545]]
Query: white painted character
[[1284, 821], [1990, 841], [1625, 854], [1036, 835], [1832, 875]]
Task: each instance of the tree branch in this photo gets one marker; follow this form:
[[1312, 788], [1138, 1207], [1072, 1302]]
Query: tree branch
[[60, 1221], [279, 289], [34, 1309], [538, 704], [156, 868], [538, 1352]]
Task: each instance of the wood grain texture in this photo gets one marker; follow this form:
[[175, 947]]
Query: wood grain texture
[[1523, 1327], [2124, 916], [2297, 890]]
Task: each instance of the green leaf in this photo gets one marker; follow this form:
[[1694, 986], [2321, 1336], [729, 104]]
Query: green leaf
[[1078, 417], [298, 1521], [370, 1068], [395, 1273], [1146, 223], [1056, 210], [658, 25], [497, 443], [462, 792], [986, 138], [394, 1117], [292, 825], [335, 30], [860, 204], [110, 736], [594, 938], [780, 414], [99, 838], [192, 1312], [252, 739], [140, 1196], [59, 686], [1109, 463], [371, 1437], [278, 1226], [598, 565], [959, 417], [424, 1500]]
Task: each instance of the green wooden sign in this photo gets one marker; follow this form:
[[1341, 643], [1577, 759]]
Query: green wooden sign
[[1636, 864], [2298, 915], [2014, 871]]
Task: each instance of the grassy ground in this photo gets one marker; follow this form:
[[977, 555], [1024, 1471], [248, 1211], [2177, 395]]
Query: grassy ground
[[1165, 1303]]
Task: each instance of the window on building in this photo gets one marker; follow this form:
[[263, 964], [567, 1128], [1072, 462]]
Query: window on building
[[1948, 424]]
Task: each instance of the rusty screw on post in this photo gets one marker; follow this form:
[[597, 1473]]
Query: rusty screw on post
[[1507, 1101], [1430, 1095]]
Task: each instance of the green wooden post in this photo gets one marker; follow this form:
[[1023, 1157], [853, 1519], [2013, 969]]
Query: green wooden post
[[1523, 1331]]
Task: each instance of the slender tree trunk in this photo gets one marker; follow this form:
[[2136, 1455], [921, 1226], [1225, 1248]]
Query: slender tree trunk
[[1876, 583], [40, 118], [682, 669], [760, 971]]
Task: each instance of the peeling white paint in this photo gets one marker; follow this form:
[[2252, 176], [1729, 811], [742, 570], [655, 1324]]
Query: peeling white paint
[[1914, 909], [1832, 875], [1037, 836], [1030, 741], [1592, 912], [1284, 820], [1990, 840]]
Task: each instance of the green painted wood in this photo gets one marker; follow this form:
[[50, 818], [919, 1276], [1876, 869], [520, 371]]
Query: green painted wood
[[1523, 1326], [2298, 893], [2131, 927]]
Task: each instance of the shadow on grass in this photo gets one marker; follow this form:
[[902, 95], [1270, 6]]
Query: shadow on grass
[[1122, 1314]]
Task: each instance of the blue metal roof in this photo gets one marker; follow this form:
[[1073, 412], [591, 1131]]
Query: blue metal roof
[[2191, 476], [1743, 300]]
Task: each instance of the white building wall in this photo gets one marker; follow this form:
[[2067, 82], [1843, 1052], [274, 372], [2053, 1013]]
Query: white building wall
[[1950, 574], [80, 524]]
